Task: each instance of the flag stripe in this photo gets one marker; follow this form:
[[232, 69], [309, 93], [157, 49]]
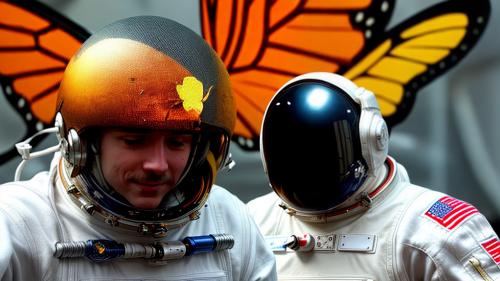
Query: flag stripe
[[492, 247], [462, 218], [489, 244]]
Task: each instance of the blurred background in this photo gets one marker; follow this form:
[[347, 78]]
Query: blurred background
[[447, 143]]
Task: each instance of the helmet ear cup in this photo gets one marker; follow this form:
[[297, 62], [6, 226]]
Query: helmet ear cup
[[373, 131], [73, 147], [77, 154]]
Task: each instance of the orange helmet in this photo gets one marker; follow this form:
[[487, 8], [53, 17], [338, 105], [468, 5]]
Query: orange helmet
[[153, 73]]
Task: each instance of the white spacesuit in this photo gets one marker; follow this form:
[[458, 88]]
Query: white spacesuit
[[35, 215], [343, 210], [156, 95]]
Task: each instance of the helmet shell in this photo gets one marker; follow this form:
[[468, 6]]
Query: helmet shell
[[146, 72], [310, 143]]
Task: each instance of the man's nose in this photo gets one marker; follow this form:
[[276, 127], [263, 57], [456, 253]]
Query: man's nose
[[156, 157]]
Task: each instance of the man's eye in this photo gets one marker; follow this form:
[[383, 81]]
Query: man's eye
[[133, 141], [175, 143], [178, 142]]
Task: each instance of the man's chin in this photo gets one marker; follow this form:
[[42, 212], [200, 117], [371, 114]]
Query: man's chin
[[147, 204]]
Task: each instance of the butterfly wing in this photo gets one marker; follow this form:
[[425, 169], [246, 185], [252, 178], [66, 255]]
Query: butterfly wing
[[265, 43], [36, 43], [416, 52]]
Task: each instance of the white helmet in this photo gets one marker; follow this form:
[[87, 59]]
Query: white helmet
[[322, 137]]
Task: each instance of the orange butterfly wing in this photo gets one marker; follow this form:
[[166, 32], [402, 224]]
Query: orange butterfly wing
[[266, 43], [34, 51]]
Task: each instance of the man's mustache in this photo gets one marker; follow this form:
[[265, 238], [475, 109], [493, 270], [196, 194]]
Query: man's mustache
[[152, 177]]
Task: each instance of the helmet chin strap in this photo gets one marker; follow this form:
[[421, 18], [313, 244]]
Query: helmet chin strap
[[24, 149]]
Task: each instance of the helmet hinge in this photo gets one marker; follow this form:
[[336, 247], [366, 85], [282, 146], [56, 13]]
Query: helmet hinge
[[365, 200]]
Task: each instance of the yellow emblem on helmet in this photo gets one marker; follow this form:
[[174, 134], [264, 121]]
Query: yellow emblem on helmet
[[191, 94]]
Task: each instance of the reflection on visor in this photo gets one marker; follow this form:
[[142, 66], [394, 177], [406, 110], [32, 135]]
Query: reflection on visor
[[317, 98], [173, 199]]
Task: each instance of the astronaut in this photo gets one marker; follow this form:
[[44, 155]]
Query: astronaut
[[144, 118], [342, 209]]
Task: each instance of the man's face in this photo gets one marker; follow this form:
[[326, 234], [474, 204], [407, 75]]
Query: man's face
[[143, 166]]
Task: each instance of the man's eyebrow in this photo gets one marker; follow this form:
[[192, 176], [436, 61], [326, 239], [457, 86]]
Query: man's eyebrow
[[133, 130], [150, 131]]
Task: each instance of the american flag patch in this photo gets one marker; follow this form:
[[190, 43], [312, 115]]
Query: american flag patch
[[450, 212], [492, 247]]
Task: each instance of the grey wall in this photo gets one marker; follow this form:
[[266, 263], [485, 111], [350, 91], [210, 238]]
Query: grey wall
[[448, 142]]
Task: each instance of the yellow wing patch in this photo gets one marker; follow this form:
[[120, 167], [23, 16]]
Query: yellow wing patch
[[191, 94], [396, 62]]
